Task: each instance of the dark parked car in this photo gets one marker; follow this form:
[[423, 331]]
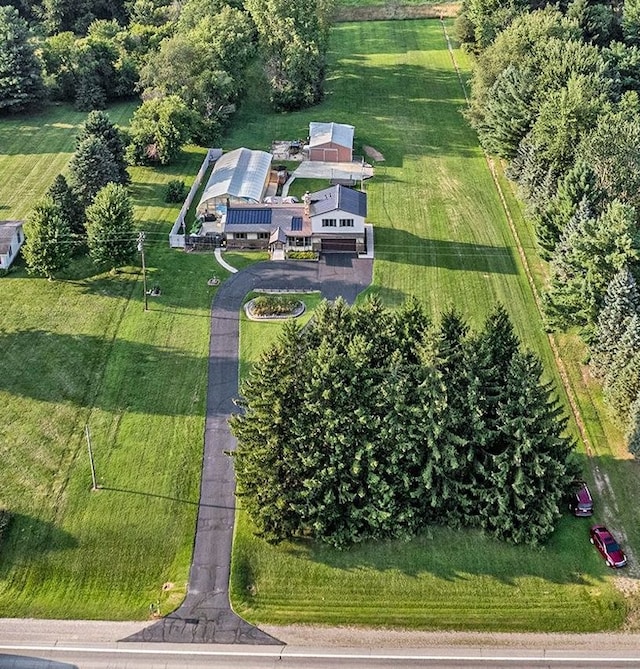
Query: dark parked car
[[581, 502], [603, 540]]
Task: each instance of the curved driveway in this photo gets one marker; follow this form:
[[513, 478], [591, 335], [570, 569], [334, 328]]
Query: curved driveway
[[206, 615]]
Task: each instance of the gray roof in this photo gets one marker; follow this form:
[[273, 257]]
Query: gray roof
[[7, 233], [326, 133], [240, 173], [339, 197]]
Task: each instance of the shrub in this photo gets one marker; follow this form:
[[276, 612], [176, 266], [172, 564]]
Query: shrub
[[302, 255], [176, 191]]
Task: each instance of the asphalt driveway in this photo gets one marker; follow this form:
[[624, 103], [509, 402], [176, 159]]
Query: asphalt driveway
[[205, 616]]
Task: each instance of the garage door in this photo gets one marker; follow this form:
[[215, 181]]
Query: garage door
[[348, 245], [330, 155]]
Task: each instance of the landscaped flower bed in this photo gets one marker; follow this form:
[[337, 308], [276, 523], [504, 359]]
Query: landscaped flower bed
[[265, 306]]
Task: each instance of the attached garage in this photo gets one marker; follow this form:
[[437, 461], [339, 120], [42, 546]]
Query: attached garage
[[338, 245]]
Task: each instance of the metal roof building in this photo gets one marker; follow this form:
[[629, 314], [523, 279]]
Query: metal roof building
[[330, 142], [241, 175]]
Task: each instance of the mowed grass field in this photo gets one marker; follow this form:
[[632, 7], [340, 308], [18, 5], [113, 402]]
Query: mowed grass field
[[440, 234], [81, 351]]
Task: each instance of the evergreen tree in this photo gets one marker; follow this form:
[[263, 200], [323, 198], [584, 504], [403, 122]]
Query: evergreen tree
[[619, 375], [69, 207], [20, 71], [579, 185], [48, 245], [508, 114], [453, 363], [590, 253], [633, 428], [91, 168], [631, 22], [491, 352], [110, 234], [622, 389], [268, 464], [343, 445], [621, 303], [99, 125], [532, 474]]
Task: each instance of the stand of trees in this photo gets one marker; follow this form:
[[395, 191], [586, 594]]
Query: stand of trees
[[370, 424], [92, 211], [91, 53], [555, 93]]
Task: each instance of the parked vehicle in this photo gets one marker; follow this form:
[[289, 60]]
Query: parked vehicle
[[609, 548], [581, 502]]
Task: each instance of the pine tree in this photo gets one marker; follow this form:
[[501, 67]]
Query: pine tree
[[99, 125], [622, 389], [508, 114], [110, 234], [70, 208], [91, 168], [590, 253], [20, 71], [618, 374], [532, 475], [578, 188], [633, 428], [48, 245], [453, 363], [490, 356], [268, 466], [621, 302]]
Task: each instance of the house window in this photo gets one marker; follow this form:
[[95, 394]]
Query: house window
[[297, 241], [328, 222], [346, 222], [263, 235], [239, 235]]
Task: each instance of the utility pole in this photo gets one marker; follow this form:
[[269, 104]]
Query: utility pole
[[93, 466], [144, 269]]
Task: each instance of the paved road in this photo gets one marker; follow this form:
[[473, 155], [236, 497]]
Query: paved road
[[154, 656], [206, 615]]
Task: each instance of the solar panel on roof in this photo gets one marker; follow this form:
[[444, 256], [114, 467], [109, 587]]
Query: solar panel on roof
[[296, 223], [248, 216]]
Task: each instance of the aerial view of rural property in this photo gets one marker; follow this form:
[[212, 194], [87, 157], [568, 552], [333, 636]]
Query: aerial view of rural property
[[319, 333]]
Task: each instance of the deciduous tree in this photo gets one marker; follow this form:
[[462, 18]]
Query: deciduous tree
[[48, 245]]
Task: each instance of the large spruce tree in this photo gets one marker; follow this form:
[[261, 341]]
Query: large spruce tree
[[20, 71], [621, 303]]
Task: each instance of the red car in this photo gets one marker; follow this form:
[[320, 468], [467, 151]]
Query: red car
[[603, 540], [581, 502]]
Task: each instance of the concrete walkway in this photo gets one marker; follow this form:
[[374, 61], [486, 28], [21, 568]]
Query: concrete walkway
[[205, 615]]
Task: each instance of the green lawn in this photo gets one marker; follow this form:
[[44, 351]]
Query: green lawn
[[440, 234], [300, 186], [81, 350]]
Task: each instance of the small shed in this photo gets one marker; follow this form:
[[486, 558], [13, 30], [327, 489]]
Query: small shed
[[331, 142], [11, 239]]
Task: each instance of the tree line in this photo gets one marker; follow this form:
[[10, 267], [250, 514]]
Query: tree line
[[370, 424], [192, 55], [555, 93]]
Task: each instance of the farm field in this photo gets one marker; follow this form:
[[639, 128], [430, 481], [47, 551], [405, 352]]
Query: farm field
[[81, 350], [441, 234]]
